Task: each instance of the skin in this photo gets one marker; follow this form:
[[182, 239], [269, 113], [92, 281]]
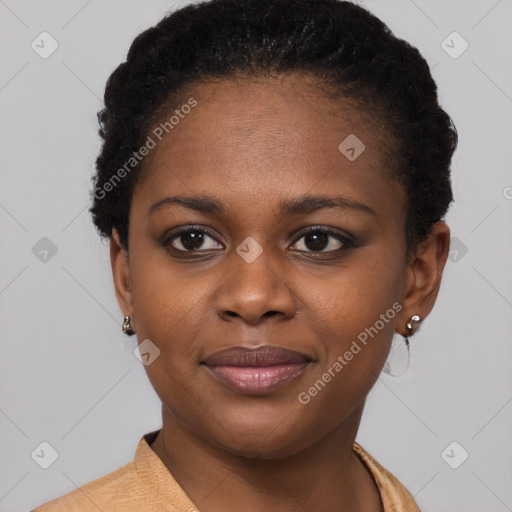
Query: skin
[[251, 145]]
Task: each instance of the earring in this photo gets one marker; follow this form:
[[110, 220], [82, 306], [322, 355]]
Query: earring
[[399, 355], [409, 325], [127, 326]]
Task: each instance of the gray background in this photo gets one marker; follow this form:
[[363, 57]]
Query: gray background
[[68, 375]]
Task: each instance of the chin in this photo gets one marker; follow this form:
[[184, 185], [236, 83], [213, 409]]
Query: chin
[[260, 434]]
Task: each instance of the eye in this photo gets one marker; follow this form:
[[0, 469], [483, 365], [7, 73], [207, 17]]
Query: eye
[[321, 240], [193, 239]]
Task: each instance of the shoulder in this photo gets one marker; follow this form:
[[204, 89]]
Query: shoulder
[[98, 494], [393, 493], [145, 483]]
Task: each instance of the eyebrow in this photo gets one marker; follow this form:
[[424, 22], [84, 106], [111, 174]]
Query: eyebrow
[[308, 204], [300, 205]]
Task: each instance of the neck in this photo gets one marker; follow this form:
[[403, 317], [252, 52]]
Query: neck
[[325, 476]]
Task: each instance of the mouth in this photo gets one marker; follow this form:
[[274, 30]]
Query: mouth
[[256, 370]]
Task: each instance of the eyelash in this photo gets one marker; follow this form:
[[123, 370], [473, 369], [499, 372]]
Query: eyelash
[[347, 240]]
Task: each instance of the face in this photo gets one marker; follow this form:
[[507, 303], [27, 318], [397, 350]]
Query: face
[[253, 228]]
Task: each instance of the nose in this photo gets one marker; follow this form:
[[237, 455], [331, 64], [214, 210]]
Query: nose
[[253, 292]]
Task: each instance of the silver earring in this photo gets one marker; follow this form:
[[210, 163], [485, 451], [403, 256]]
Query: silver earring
[[127, 326], [399, 357], [413, 320]]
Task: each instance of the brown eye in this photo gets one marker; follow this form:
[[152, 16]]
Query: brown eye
[[193, 240], [321, 240]]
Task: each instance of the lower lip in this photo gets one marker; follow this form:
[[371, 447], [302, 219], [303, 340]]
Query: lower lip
[[253, 380]]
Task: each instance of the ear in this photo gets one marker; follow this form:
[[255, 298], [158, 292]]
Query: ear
[[423, 275], [121, 274]]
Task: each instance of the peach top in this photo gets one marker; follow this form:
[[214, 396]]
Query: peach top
[[146, 485]]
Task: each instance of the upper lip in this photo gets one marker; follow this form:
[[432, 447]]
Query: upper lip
[[265, 355]]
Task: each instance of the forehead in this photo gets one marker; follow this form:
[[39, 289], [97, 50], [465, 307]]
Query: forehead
[[288, 116], [268, 137]]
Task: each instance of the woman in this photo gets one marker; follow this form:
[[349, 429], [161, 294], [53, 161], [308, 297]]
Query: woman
[[273, 182]]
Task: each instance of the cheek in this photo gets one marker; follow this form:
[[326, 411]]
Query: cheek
[[170, 312], [356, 304], [354, 314], [166, 300], [356, 294]]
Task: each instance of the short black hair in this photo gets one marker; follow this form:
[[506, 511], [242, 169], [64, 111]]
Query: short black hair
[[340, 43]]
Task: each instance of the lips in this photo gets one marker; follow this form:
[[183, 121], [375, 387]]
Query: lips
[[256, 370]]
